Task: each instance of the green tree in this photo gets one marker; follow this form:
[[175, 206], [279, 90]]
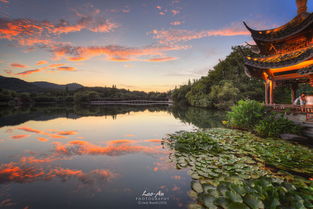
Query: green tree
[[224, 95]]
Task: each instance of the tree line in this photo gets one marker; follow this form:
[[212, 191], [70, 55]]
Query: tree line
[[82, 95]]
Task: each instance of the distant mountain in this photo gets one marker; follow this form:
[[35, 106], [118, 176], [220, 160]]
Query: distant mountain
[[24, 86], [47, 85], [17, 85]]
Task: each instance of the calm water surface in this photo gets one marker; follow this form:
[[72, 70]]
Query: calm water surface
[[93, 157]]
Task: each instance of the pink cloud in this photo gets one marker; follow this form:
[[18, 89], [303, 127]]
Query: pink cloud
[[153, 140], [13, 172], [115, 53], [121, 141], [17, 65], [89, 23], [175, 12], [162, 13], [28, 72], [54, 67], [42, 139], [79, 147], [174, 36], [41, 62], [9, 72], [30, 32], [19, 136], [7, 202], [28, 129], [67, 132], [176, 177], [65, 68], [161, 59], [76, 58], [176, 23]]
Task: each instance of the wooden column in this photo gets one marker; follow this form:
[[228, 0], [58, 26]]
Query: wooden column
[[271, 92], [294, 87], [266, 92]]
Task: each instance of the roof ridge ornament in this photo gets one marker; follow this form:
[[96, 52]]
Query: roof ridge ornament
[[302, 7]]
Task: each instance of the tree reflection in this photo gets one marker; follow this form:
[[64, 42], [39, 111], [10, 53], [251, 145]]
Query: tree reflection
[[200, 117]]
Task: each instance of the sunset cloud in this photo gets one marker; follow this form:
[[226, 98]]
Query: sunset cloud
[[13, 172], [4, 1], [67, 132], [7, 202], [66, 68], [30, 32], [17, 65], [153, 140], [55, 65], [52, 67], [19, 136], [41, 62], [28, 129], [175, 36], [28, 72], [161, 59], [175, 12], [121, 141], [79, 147], [130, 135], [176, 23], [117, 53], [90, 23], [42, 139], [22, 29], [77, 59]]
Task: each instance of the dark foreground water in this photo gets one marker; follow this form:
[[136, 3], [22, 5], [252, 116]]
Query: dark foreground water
[[94, 157]]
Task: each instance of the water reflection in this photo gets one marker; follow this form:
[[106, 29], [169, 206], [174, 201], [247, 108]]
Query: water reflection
[[92, 157], [200, 117]]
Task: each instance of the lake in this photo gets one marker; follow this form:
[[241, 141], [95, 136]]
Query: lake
[[95, 156]]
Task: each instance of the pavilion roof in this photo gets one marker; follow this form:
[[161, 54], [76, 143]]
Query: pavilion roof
[[295, 26], [280, 60], [293, 74]]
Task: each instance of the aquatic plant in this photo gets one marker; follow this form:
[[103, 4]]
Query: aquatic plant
[[274, 125], [236, 169]]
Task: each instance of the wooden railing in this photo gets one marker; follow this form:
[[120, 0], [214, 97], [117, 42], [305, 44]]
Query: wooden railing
[[291, 107]]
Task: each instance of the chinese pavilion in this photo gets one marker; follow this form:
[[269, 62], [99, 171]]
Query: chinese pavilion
[[283, 55]]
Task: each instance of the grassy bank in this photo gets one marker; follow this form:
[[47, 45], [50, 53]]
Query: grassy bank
[[236, 169]]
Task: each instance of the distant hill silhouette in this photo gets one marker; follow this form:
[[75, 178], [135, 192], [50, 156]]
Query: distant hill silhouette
[[47, 85], [20, 85]]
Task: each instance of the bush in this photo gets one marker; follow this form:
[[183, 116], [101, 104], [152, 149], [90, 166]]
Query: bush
[[273, 126], [252, 115], [246, 114]]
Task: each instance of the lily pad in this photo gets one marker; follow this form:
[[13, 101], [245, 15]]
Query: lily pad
[[253, 202], [237, 205], [197, 187], [234, 196]]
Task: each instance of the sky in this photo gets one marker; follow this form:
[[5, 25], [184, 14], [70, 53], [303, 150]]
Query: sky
[[148, 45]]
